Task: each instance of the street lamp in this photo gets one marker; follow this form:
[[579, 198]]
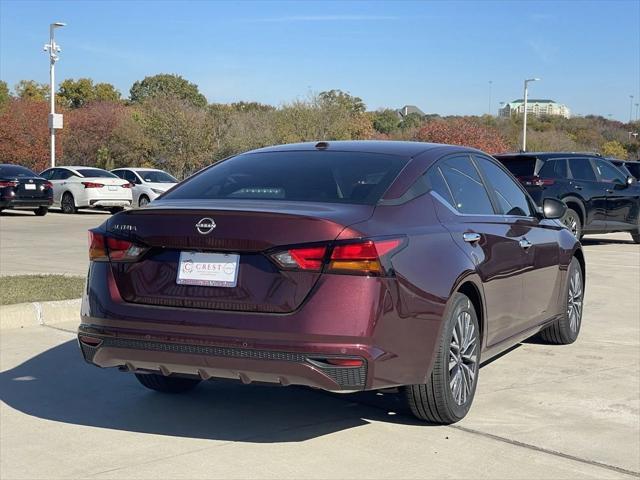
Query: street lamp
[[490, 85], [55, 121], [524, 126], [637, 107], [630, 108]]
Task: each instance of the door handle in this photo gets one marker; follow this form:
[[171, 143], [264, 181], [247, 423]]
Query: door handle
[[471, 237], [524, 243], [609, 191], [578, 187]]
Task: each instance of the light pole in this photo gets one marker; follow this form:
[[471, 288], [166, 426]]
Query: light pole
[[630, 108], [490, 85], [55, 121], [637, 107], [524, 123]]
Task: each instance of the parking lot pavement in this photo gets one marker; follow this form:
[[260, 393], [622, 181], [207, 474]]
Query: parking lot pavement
[[55, 243], [540, 412]]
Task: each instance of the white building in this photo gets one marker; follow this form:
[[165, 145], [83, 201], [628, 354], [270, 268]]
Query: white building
[[536, 107]]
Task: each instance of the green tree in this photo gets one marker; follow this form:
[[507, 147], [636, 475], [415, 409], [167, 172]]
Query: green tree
[[32, 90], [340, 99], [78, 93], [167, 85], [4, 93], [412, 120], [614, 149], [386, 121]]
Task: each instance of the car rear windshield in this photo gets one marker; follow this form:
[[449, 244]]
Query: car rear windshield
[[15, 171], [520, 166], [318, 176], [95, 172], [156, 176]]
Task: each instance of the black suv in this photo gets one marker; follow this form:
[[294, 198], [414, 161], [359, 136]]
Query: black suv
[[599, 197]]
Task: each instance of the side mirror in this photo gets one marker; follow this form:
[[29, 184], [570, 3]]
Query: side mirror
[[630, 180], [553, 209]]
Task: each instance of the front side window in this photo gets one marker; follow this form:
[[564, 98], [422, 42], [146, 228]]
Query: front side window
[[511, 199], [581, 169], [609, 173], [465, 187], [157, 176], [303, 176]]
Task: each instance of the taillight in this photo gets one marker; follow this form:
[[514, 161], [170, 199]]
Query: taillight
[[4, 183], [46, 185], [127, 185], [362, 257], [103, 248], [92, 185], [536, 181], [309, 258]]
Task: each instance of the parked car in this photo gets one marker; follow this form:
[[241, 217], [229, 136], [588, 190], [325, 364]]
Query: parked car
[[600, 199], [344, 266], [20, 188], [148, 183], [629, 167], [87, 187]]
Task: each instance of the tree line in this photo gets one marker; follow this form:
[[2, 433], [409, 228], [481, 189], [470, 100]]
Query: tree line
[[167, 123]]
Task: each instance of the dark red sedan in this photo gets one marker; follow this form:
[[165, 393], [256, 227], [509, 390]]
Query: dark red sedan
[[343, 266]]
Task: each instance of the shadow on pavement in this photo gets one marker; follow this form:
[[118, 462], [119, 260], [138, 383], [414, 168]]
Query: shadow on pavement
[[58, 385], [587, 241]]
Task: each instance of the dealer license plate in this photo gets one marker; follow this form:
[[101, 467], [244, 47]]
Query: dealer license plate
[[208, 269]]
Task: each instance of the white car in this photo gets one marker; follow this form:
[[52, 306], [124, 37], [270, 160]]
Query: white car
[[148, 183], [87, 187]]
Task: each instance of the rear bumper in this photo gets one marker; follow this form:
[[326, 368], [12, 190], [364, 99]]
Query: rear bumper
[[109, 203], [206, 361], [362, 318], [25, 202]]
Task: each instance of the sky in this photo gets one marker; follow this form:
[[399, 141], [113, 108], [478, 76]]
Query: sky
[[438, 55]]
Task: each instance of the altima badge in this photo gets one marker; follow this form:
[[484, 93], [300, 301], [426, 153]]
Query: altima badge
[[205, 225]]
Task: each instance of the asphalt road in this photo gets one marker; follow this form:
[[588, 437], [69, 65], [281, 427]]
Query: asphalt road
[[540, 411]]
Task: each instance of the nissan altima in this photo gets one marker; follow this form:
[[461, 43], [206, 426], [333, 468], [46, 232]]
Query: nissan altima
[[343, 266]]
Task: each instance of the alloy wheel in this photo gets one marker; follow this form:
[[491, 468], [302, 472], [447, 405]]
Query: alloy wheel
[[571, 222], [463, 358], [143, 202], [574, 302], [67, 204]]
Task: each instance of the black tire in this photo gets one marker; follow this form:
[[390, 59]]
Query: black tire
[[115, 210], [435, 401], [566, 329], [41, 211], [572, 221], [68, 203], [163, 384], [143, 201]]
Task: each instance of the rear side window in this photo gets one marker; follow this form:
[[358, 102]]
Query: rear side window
[[511, 198], [95, 172], [316, 176], [581, 169], [15, 171], [554, 169], [520, 166], [464, 186]]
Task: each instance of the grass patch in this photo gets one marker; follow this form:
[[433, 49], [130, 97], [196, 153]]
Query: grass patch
[[39, 288]]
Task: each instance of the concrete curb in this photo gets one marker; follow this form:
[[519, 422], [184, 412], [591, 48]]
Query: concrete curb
[[39, 313]]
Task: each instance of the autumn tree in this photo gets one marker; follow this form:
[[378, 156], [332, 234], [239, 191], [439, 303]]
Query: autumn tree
[[459, 131], [31, 90], [24, 134], [4, 93], [167, 85], [614, 149]]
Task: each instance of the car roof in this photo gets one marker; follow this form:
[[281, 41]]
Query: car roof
[[546, 155], [389, 147]]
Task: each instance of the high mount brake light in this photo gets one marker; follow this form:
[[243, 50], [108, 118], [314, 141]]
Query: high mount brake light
[[92, 185], [361, 257], [103, 248]]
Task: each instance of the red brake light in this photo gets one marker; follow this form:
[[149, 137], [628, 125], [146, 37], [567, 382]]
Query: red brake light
[[345, 362], [103, 248], [92, 185], [4, 183], [47, 185]]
